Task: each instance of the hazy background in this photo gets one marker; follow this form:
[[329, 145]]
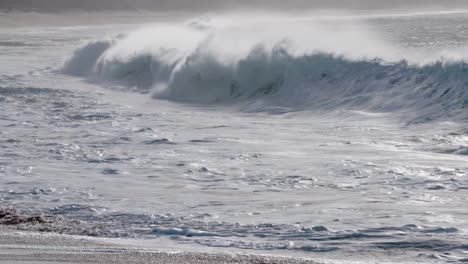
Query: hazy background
[[210, 5]]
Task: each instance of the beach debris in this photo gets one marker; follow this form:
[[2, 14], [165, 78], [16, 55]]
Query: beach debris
[[9, 216]]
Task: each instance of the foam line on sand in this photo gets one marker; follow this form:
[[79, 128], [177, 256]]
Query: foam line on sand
[[19, 247]]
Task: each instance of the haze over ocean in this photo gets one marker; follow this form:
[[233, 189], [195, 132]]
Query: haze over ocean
[[209, 5]]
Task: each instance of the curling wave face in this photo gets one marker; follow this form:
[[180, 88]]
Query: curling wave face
[[289, 66]]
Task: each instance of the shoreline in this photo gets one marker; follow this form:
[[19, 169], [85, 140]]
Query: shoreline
[[23, 240], [28, 247]]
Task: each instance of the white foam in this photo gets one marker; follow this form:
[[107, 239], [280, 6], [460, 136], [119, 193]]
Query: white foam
[[289, 64]]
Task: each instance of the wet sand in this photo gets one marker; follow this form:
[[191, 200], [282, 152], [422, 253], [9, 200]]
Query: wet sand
[[24, 247]]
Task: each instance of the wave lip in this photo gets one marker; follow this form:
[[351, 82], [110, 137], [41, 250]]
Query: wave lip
[[84, 59]]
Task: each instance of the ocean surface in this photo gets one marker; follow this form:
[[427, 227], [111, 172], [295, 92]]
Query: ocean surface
[[330, 137]]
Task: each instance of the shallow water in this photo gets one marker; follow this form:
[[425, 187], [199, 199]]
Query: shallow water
[[331, 160]]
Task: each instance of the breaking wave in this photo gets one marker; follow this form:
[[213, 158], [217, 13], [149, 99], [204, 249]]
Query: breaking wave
[[301, 69]]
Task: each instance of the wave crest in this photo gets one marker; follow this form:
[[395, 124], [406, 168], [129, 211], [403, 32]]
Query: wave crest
[[208, 65]]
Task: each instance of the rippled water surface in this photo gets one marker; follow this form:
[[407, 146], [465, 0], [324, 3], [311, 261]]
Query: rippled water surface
[[339, 158]]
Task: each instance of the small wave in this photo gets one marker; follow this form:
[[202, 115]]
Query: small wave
[[433, 245], [207, 140], [90, 117], [162, 141], [87, 220], [15, 91], [110, 172], [185, 231], [14, 44]]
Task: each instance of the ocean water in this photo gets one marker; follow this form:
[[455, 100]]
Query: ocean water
[[330, 137]]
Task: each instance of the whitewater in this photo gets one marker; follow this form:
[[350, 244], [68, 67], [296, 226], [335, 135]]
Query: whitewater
[[336, 138]]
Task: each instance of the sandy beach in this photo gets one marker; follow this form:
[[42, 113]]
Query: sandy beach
[[25, 247]]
